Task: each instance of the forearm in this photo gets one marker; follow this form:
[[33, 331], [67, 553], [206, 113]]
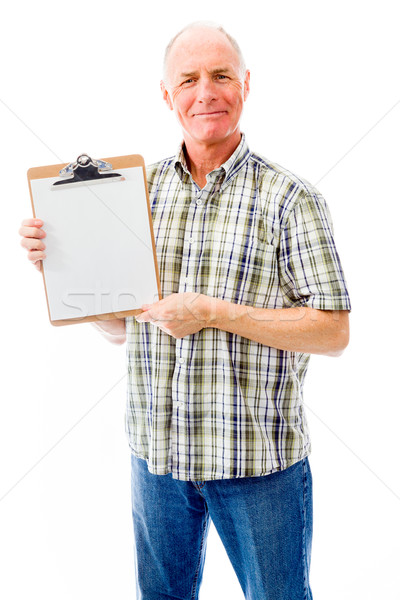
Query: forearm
[[300, 329], [113, 330]]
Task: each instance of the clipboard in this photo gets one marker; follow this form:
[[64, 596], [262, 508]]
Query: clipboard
[[100, 251]]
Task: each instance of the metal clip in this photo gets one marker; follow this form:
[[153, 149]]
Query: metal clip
[[86, 171]]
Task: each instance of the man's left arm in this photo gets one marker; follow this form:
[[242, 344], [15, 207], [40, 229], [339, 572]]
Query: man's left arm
[[300, 329], [315, 319]]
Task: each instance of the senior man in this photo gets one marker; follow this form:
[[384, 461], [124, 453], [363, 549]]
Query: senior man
[[252, 285]]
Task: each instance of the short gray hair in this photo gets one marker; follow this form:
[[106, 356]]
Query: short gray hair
[[205, 25]]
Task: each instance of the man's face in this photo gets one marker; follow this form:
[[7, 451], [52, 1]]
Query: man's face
[[205, 87]]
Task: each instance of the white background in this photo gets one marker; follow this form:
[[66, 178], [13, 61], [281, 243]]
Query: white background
[[325, 103]]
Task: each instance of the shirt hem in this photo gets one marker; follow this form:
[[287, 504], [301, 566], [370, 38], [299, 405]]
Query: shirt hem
[[207, 476], [324, 303]]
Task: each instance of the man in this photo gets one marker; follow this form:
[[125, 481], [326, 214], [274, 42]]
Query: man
[[252, 285]]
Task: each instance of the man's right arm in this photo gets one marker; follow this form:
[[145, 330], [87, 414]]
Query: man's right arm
[[32, 240], [113, 330]]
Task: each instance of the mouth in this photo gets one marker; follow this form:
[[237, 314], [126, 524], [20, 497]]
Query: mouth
[[214, 113]]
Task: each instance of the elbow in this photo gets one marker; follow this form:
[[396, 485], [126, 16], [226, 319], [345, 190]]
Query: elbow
[[340, 343], [337, 352], [117, 340]]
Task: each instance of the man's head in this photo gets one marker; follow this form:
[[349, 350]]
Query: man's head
[[206, 83]]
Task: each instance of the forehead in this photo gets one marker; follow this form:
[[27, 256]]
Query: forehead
[[197, 49]]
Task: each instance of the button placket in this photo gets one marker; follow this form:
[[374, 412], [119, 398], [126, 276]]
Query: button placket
[[191, 239], [190, 257]]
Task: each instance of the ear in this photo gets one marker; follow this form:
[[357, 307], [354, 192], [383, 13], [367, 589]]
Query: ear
[[246, 84], [166, 96]]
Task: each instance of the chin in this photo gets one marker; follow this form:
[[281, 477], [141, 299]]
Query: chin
[[212, 136]]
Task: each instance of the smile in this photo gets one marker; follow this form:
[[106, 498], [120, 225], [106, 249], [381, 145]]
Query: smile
[[216, 113]]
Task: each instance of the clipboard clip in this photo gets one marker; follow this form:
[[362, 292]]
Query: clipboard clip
[[86, 171]]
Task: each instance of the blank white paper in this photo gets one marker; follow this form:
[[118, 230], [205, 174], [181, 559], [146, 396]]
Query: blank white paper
[[99, 255]]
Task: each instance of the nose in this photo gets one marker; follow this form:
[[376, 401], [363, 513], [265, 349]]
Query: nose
[[206, 90]]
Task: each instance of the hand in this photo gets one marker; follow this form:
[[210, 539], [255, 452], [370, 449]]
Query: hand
[[178, 314], [32, 236]]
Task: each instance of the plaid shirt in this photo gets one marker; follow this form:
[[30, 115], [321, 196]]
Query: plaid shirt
[[213, 404]]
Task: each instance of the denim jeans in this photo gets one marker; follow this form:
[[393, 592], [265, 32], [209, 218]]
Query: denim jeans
[[265, 524]]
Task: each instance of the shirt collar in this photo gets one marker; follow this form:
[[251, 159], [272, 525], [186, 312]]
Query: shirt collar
[[227, 170]]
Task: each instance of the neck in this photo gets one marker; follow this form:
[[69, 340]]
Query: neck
[[203, 158]]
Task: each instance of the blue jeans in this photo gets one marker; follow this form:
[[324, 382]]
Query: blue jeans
[[265, 524]]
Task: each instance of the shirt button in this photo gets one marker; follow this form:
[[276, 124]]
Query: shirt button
[[181, 404], [199, 202], [191, 240], [181, 361]]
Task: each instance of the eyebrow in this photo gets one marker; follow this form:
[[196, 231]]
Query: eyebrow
[[212, 72]]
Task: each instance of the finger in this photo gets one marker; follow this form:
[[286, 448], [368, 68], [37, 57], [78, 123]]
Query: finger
[[32, 244], [31, 232], [144, 317], [167, 330], [32, 223], [36, 255]]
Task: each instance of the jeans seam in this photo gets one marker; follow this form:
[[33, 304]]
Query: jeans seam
[[304, 530], [196, 575], [199, 485]]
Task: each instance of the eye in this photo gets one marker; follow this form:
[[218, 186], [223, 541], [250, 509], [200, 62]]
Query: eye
[[220, 77]]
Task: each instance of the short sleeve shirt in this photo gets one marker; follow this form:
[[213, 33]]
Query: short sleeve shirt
[[213, 404]]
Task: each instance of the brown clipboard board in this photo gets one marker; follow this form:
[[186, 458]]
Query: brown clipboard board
[[118, 163]]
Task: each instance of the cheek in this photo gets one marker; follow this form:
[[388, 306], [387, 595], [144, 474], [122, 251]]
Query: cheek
[[181, 100], [235, 94], [238, 86]]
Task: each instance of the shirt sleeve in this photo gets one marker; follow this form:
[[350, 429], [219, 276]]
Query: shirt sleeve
[[309, 266]]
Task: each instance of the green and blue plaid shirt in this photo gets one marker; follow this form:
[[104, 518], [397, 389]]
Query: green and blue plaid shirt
[[216, 405]]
